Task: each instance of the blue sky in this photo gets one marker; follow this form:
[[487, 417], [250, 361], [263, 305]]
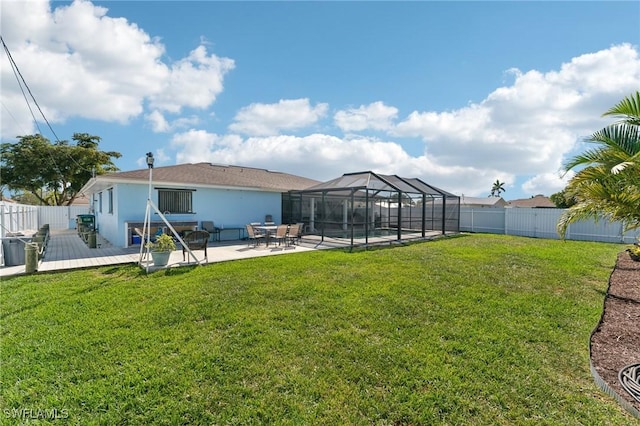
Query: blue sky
[[457, 93]]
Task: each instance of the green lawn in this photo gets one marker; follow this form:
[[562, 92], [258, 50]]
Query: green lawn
[[476, 329]]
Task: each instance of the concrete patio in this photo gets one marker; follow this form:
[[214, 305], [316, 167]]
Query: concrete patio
[[66, 250]]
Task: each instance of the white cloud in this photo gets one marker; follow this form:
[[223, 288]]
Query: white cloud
[[324, 157], [547, 183], [195, 81], [526, 128], [376, 116], [532, 125], [79, 62], [195, 146], [159, 123], [270, 119]]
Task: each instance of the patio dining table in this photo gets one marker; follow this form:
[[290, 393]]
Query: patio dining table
[[267, 229]]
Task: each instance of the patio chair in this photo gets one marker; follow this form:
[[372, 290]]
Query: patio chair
[[196, 240], [300, 230], [257, 231], [253, 236], [292, 233], [280, 235], [213, 230]]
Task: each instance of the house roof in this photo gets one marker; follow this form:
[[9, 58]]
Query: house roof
[[205, 174], [80, 200], [539, 201], [483, 201]]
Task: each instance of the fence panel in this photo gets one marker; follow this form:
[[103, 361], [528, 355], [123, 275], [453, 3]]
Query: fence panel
[[489, 220], [17, 218], [541, 223], [60, 217], [530, 222], [601, 230]]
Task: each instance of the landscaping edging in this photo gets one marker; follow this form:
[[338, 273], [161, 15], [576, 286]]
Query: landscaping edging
[[605, 387], [602, 384]]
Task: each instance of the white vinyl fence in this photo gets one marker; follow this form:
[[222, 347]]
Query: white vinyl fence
[[26, 219], [540, 223], [62, 217], [17, 217], [20, 217]]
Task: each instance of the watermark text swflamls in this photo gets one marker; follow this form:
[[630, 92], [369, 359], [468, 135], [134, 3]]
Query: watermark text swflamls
[[36, 413]]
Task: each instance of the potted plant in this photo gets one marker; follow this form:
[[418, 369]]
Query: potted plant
[[161, 249]]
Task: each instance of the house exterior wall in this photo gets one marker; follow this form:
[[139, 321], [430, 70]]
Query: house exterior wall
[[106, 221], [230, 208]]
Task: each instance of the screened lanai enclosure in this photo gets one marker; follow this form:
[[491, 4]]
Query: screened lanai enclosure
[[367, 208]]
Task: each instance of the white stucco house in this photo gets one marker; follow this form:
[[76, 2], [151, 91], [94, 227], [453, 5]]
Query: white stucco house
[[187, 194]]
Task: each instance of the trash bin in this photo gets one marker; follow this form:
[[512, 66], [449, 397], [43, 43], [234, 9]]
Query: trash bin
[[13, 250], [86, 222], [91, 242]]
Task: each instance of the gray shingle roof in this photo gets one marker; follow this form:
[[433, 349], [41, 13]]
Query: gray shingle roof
[[216, 175]]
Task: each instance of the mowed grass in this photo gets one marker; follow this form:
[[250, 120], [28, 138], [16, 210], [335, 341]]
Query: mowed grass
[[476, 329]]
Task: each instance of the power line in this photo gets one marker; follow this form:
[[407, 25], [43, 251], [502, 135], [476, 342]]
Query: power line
[[16, 72]]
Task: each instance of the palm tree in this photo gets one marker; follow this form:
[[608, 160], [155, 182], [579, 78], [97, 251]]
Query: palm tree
[[497, 188], [609, 183]]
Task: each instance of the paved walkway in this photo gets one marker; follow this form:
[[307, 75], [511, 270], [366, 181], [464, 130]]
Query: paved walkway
[[66, 250]]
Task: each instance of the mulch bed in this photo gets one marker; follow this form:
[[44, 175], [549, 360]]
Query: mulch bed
[[616, 342]]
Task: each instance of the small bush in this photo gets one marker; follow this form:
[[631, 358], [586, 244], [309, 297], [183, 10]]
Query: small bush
[[163, 243]]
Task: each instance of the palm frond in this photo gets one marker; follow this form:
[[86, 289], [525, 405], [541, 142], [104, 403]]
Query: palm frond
[[616, 137], [628, 109], [580, 211]]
